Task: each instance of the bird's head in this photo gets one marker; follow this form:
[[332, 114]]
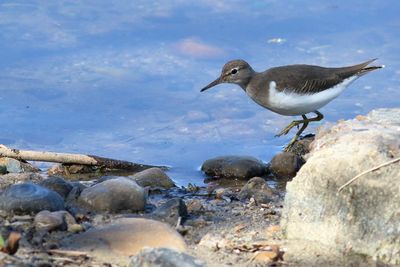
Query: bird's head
[[236, 71]]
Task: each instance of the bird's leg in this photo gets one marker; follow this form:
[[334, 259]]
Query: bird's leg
[[298, 122], [299, 132]]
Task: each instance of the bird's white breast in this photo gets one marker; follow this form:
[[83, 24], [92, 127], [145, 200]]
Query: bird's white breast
[[291, 104]]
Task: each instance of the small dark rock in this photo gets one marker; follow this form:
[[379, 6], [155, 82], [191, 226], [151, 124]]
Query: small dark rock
[[58, 185], [30, 198], [170, 211], [153, 177], [240, 167], [57, 220], [258, 189], [114, 195], [286, 164], [164, 257], [302, 146]]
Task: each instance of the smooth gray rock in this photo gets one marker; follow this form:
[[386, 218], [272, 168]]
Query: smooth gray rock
[[240, 167], [365, 215], [9, 179], [164, 257], [58, 185], [114, 195], [30, 198], [153, 177], [123, 238], [56, 220], [258, 189], [286, 164], [170, 211]]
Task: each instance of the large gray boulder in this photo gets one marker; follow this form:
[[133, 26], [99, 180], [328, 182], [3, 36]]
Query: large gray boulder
[[364, 217]]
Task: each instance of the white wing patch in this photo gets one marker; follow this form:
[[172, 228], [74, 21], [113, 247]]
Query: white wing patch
[[291, 104]]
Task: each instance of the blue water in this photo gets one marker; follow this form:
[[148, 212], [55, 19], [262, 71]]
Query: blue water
[[121, 79]]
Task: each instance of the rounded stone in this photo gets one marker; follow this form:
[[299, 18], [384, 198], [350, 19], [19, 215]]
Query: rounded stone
[[30, 198], [58, 185], [286, 164], [163, 257], [258, 189], [240, 167], [125, 237], [49, 221], [114, 195], [170, 211], [153, 177]]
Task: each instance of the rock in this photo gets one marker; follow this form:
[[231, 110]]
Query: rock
[[153, 177], [240, 167], [14, 178], [30, 198], [57, 220], [170, 211], [114, 195], [258, 189], [286, 164], [58, 185], [164, 257], [15, 166], [125, 237], [365, 215], [302, 146]]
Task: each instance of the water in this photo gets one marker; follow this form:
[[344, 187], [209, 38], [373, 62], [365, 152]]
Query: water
[[121, 79]]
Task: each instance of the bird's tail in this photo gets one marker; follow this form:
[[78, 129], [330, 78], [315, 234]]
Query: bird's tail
[[360, 69]]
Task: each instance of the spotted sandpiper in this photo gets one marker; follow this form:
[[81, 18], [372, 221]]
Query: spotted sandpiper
[[292, 90]]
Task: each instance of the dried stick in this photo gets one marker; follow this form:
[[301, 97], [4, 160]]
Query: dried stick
[[367, 171], [72, 159]]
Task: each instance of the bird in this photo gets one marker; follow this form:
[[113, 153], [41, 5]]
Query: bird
[[292, 90]]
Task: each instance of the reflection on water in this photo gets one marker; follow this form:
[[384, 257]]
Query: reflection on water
[[122, 80]]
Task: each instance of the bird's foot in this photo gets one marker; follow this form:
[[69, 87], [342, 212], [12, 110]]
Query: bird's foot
[[288, 128]]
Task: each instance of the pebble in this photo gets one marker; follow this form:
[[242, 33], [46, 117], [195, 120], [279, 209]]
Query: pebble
[[171, 211], [239, 167], [258, 190], [113, 196], [29, 198], [164, 257], [286, 164], [10, 165], [153, 177]]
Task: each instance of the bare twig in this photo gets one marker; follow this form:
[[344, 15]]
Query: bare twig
[[72, 159], [71, 253], [368, 171]]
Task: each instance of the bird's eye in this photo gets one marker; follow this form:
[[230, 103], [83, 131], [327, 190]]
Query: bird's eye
[[234, 71]]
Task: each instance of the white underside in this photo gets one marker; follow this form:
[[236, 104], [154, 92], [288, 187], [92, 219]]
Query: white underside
[[291, 104]]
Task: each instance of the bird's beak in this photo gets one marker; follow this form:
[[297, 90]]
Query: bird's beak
[[214, 83]]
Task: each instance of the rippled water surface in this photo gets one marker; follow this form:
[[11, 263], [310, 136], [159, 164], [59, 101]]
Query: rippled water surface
[[121, 79]]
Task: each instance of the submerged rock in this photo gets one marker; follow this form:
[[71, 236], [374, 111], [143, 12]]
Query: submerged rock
[[240, 167], [164, 257], [124, 238], [258, 189], [114, 195], [153, 177], [365, 215], [286, 164], [58, 185], [30, 198], [170, 211]]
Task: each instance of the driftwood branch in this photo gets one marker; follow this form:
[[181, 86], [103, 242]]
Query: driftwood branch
[[368, 171], [67, 158]]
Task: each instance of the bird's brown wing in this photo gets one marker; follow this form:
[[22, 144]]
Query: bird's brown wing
[[308, 79]]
